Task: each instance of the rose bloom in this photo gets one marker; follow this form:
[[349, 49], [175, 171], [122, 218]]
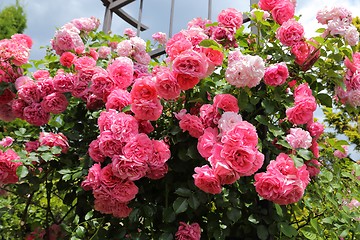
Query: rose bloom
[[313, 167], [268, 5], [54, 139], [64, 82], [145, 126], [123, 127], [35, 114], [67, 59], [176, 45], [241, 158], [139, 148], [302, 112], [186, 81], [6, 112], [6, 141], [108, 180], [45, 86], [166, 84], [92, 180], [265, 14], [8, 166], [299, 138], [160, 37], [215, 57], [276, 75], [230, 18], [269, 185], [206, 180], [105, 119], [192, 124], [95, 152], [54, 103], [302, 91], [224, 172], [315, 148], [121, 72], [124, 191], [228, 120], [242, 134], [315, 129], [147, 109], [124, 48], [354, 98], [143, 88], [104, 52], [118, 99], [352, 35], [102, 85], [191, 63], [353, 64], [108, 145], [226, 102], [342, 154], [188, 232], [6, 96], [283, 11], [207, 141], [41, 74], [290, 32], [29, 92], [160, 155], [128, 168], [157, 172], [209, 115]]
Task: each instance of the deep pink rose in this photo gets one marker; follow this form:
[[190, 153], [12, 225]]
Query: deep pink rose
[[145, 126], [108, 145], [166, 84], [67, 59], [188, 232], [102, 85], [290, 32], [157, 172], [186, 81], [29, 92], [128, 168], [354, 64], [54, 139], [124, 191], [64, 82], [118, 99], [215, 57], [35, 114], [160, 155], [192, 124], [6, 112], [121, 72], [241, 159], [268, 5], [54, 103], [176, 45], [207, 141], [121, 210], [315, 148], [8, 166], [95, 152], [313, 167], [302, 91], [226, 102], [276, 75], [123, 127], [92, 180], [225, 173], [206, 180], [302, 112], [143, 89], [209, 115], [231, 18], [283, 11], [108, 180], [269, 185], [6, 96], [191, 63], [315, 129], [32, 146], [139, 148], [147, 109]]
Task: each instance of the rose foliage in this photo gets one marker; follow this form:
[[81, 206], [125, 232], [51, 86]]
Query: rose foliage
[[215, 140]]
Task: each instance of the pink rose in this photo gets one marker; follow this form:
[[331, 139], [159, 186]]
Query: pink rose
[[160, 155], [41, 74], [290, 32], [67, 59], [35, 114], [95, 152], [104, 52], [302, 91], [299, 138], [242, 134], [268, 5], [8, 167], [108, 181], [226, 102], [145, 126], [29, 92], [315, 148], [230, 18], [240, 159], [54, 103], [207, 141], [6, 141], [32, 146], [6, 113], [6, 96], [313, 167], [157, 172], [191, 63], [342, 154], [283, 11], [355, 63], [209, 115], [302, 112], [354, 98], [143, 88], [215, 57], [64, 82], [206, 180], [121, 72], [160, 37], [188, 232], [54, 139], [124, 191], [228, 120], [192, 124], [176, 45], [92, 180], [139, 148], [147, 109], [108, 145], [186, 81], [118, 99], [102, 85], [121, 210], [276, 75], [127, 168], [269, 185], [315, 129], [225, 173], [123, 127], [166, 84]]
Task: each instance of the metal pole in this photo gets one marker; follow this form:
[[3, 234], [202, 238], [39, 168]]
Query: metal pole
[[171, 18], [253, 28], [139, 18], [209, 9]]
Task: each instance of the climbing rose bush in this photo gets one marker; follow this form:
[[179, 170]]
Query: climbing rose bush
[[217, 139]]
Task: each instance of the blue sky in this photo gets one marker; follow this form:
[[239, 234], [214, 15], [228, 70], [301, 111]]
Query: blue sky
[[44, 16]]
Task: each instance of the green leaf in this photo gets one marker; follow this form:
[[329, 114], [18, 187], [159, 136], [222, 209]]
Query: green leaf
[[55, 150], [252, 219], [22, 171], [305, 154], [169, 215], [193, 201], [166, 236], [89, 215], [80, 231], [287, 229], [308, 232], [47, 156], [209, 43], [43, 148], [180, 205], [233, 214], [325, 99], [262, 119], [262, 232], [279, 210]]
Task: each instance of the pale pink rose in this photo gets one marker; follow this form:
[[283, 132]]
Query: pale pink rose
[[198, 22], [353, 64], [342, 154], [228, 120], [95, 152], [207, 141], [160, 37], [129, 32], [209, 115], [86, 24], [108, 145], [139, 148], [67, 38], [302, 112], [35, 114], [185, 81], [176, 45], [54, 139], [92, 180], [121, 72], [6, 141], [67, 59], [8, 166], [283, 11], [206, 180], [84, 62], [142, 57], [188, 232], [268, 5], [160, 155], [247, 72], [195, 35], [22, 39], [192, 124], [128, 168], [144, 89], [352, 35], [157, 172], [290, 32], [354, 97], [299, 138], [54, 103], [315, 129], [329, 13], [191, 63], [147, 109], [123, 127], [313, 167], [353, 204], [242, 134], [226, 102], [276, 75], [352, 81], [124, 48], [104, 52], [118, 99], [166, 84], [231, 18]]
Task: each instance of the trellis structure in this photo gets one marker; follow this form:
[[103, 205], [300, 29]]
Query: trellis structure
[[115, 6]]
